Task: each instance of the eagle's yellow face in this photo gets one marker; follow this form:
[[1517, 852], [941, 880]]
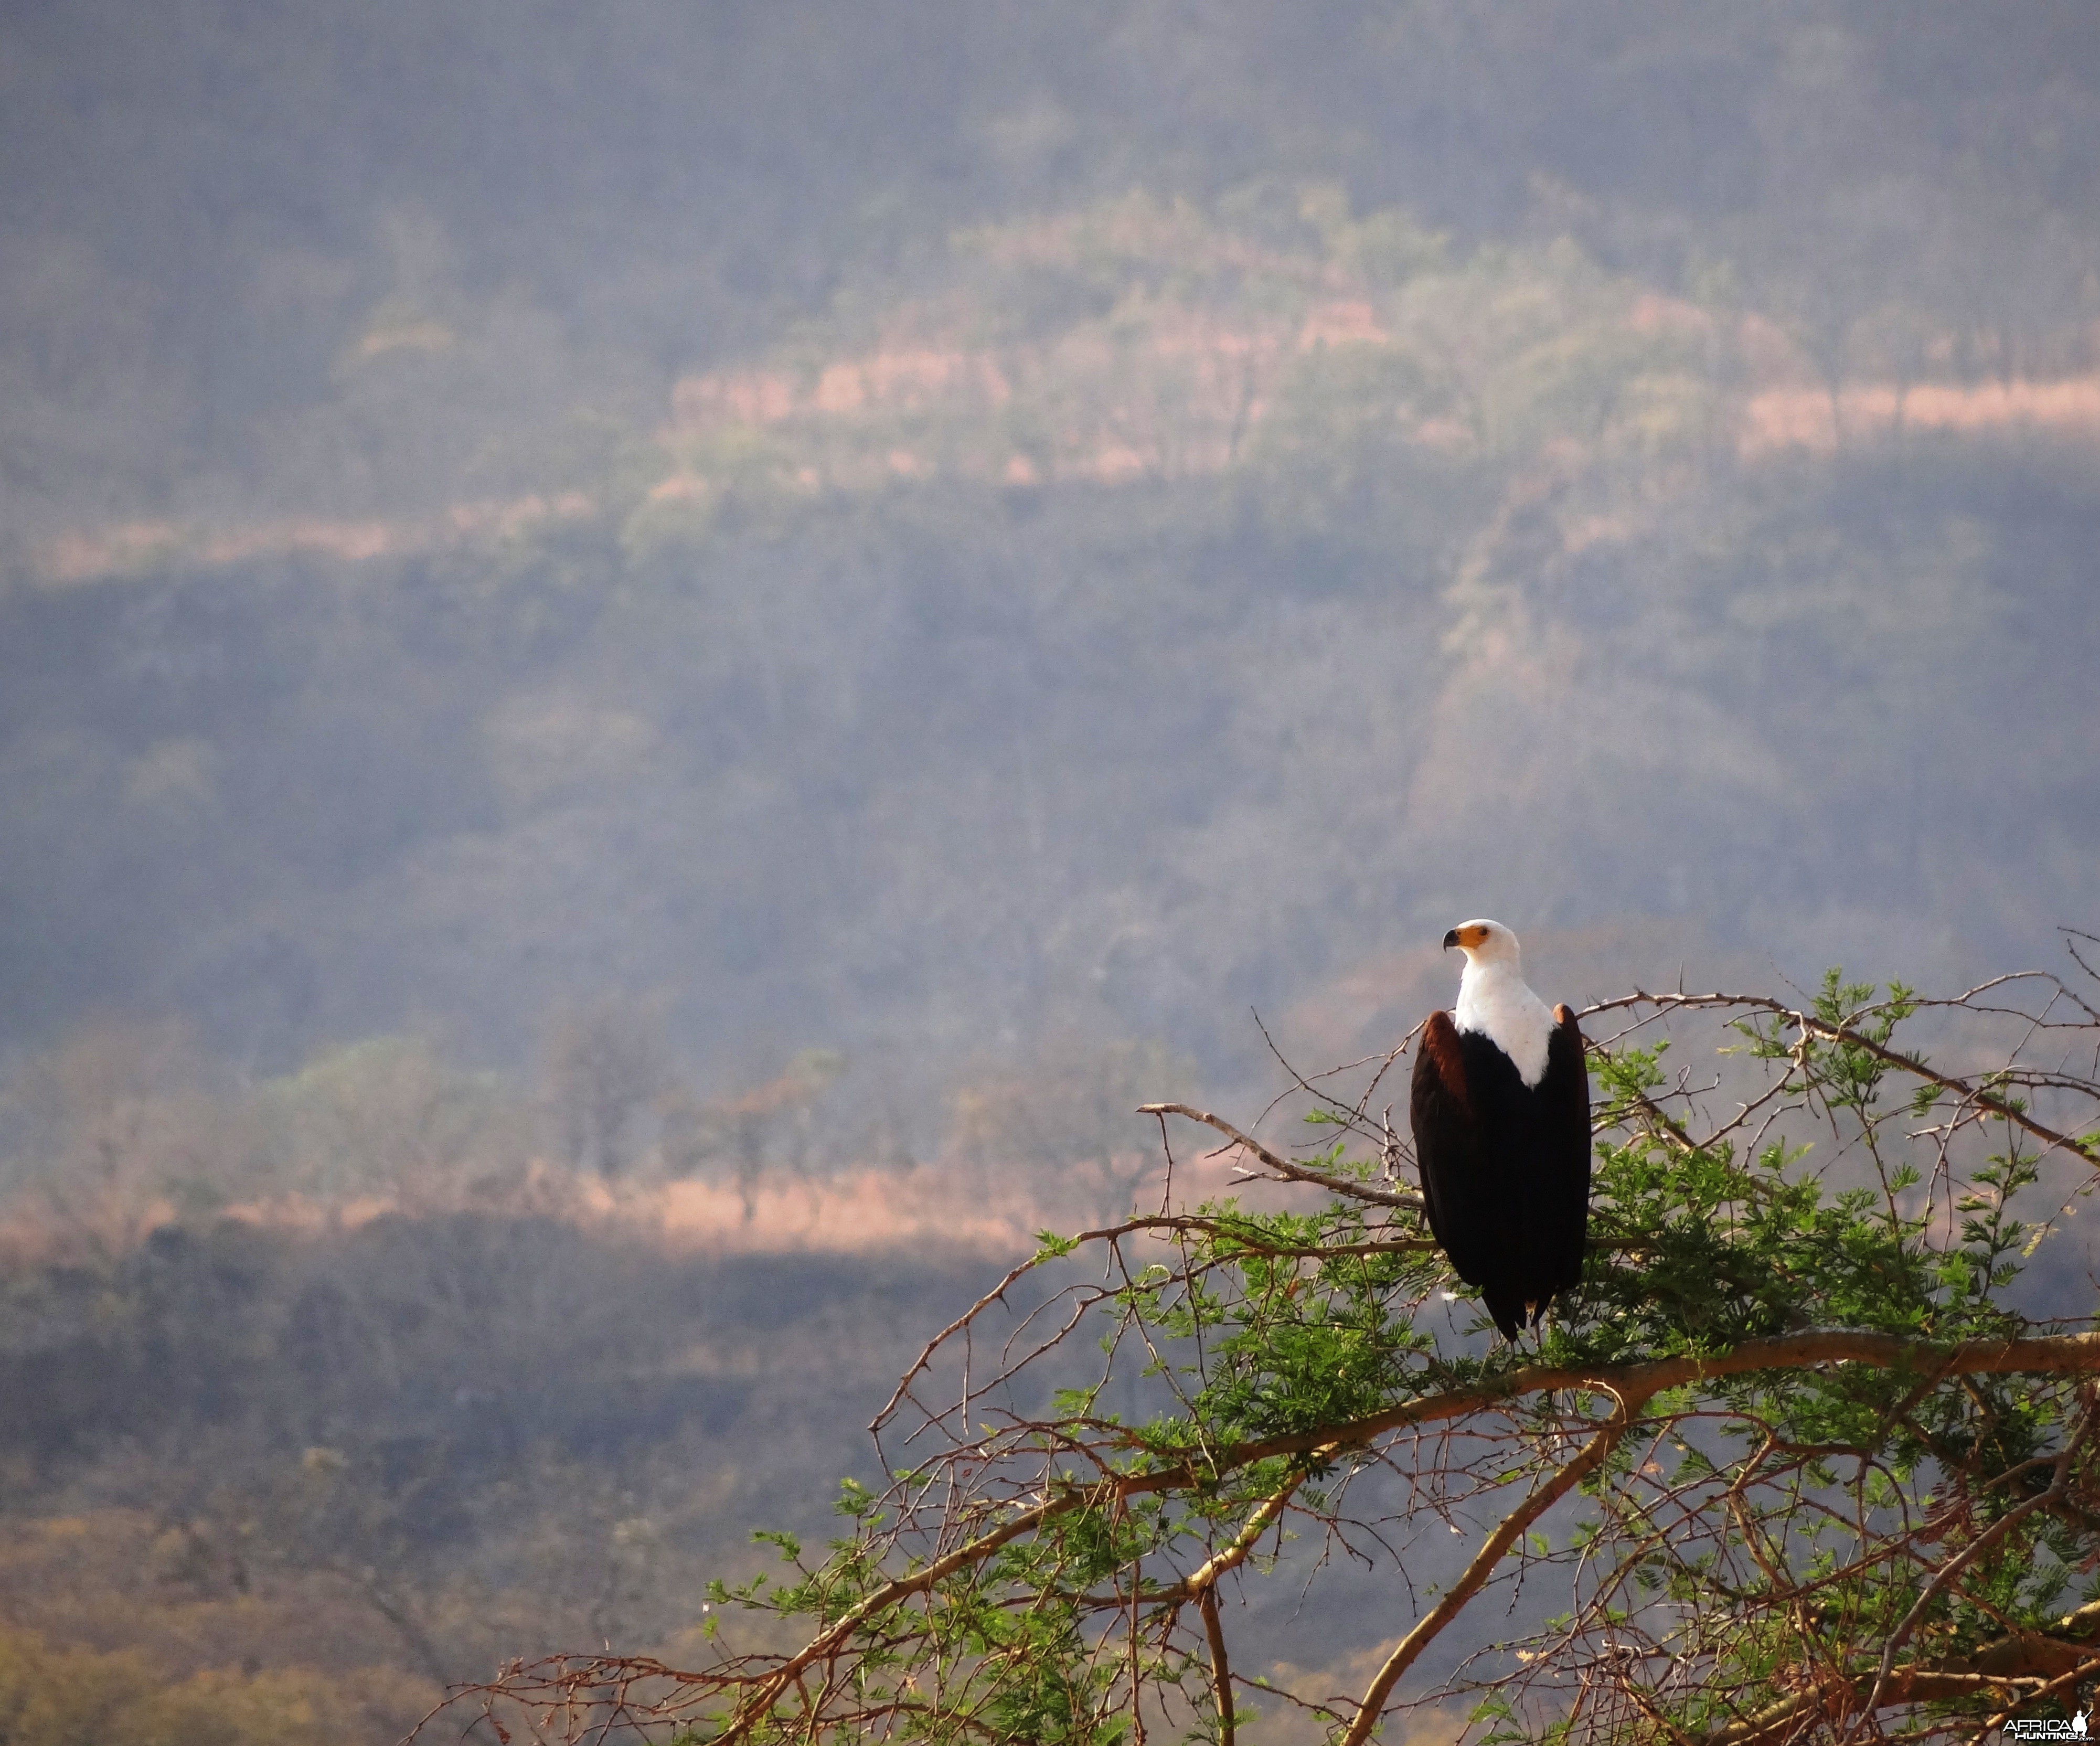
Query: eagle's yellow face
[[1484, 943]]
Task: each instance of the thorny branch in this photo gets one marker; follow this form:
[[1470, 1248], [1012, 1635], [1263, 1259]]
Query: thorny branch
[[1286, 1168], [2085, 1148], [1372, 1705]]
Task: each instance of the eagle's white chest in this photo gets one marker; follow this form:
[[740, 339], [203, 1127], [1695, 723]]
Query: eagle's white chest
[[1493, 1001]]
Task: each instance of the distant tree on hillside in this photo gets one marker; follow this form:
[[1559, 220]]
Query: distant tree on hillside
[[1069, 1118], [607, 1065]]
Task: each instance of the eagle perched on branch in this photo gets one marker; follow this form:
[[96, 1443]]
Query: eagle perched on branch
[[1500, 1107]]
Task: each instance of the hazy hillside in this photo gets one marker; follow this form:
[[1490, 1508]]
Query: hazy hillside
[[1160, 609], [720, 601]]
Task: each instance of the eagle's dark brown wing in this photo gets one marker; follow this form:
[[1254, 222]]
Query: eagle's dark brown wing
[[1447, 1147], [1563, 1153]]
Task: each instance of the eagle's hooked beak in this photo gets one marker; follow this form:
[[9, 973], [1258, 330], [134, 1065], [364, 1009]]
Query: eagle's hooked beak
[[1450, 939]]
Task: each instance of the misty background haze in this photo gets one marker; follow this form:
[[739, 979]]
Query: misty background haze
[[719, 600]]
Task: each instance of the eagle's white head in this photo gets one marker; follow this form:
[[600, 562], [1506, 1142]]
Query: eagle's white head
[[1484, 943], [1494, 1000]]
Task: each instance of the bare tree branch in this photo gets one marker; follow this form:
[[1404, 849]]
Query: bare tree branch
[[1283, 1167], [2058, 1354], [1456, 1598], [2083, 1149], [1971, 1553], [1221, 1671]]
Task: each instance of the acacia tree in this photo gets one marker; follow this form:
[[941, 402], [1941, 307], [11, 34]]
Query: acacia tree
[[1801, 1460]]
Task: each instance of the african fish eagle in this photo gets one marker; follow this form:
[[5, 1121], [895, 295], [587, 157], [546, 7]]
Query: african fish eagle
[[1500, 1107]]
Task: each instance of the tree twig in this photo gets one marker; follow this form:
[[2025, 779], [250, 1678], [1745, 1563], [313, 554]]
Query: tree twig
[[1974, 1550], [1455, 1598], [1283, 1167], [2083, 1149]]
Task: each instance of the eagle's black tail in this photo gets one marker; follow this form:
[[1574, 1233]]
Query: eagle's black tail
[[1510, 1311]]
